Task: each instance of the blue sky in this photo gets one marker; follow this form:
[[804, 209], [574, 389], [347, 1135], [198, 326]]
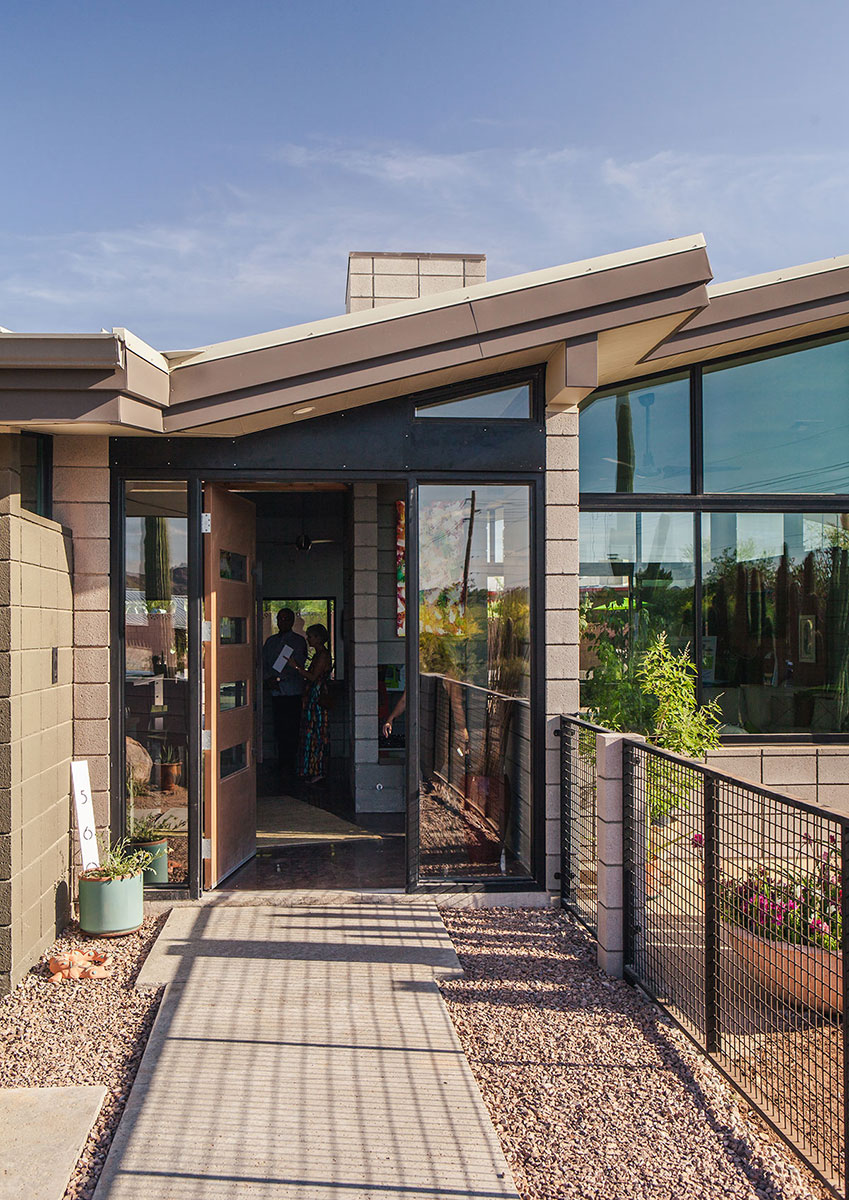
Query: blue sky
[[198, 171]]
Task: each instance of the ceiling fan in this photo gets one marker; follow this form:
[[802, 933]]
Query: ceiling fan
[[303, 542]]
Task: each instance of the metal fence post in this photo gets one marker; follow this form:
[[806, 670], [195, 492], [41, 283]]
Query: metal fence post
[[710, 795], [611, 925], [567, 802], [844, 955]]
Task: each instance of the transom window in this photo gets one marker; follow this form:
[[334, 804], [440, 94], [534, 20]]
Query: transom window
[[511, 403]]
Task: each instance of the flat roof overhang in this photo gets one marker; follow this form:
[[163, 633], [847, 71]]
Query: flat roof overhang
[[758, 312], [585, 320]]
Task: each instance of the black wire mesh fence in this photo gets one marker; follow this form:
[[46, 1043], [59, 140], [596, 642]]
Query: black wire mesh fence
[[734, 917], [578, 855]]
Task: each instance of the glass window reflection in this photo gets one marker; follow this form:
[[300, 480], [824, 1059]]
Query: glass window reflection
[[504, 404], [637, 575], [474, 715], [778, 422], [637, 439], [156, 672], [776, 621]]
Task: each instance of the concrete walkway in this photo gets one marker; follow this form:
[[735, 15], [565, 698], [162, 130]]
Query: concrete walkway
[[304, 1052]]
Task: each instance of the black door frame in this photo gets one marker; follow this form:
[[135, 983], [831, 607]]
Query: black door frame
[[195, 479]]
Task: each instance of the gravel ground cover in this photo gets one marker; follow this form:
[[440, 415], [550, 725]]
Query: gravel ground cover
[[595, 1096], [86, 1032]]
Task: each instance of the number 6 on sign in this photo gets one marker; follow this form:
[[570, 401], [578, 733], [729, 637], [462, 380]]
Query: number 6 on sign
[[85, 814]]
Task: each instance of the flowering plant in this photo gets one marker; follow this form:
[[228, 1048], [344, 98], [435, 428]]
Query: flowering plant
[[797, 903]]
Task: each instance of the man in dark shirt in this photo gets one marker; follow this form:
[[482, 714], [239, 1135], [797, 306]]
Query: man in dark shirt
[[287, 689]]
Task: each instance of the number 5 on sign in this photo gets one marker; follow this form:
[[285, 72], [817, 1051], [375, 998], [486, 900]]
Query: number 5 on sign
[[85, 814]]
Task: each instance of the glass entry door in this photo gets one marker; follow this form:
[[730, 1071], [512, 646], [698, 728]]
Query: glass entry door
[[474, 701]]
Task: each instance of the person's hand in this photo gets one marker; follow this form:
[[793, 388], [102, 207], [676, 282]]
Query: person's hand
[[387, 728]]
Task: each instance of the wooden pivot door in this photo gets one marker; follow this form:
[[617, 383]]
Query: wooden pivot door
[[229, 766]]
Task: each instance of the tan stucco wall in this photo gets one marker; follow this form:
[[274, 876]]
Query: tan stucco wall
[[36, 729]]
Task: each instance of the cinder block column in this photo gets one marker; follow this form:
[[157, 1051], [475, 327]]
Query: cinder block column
[[365, 641], [609, 840], [610, 825], [81, 503], [562, 565]]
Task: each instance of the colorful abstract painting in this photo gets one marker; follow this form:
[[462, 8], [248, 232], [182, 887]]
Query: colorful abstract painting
[[400, 569]]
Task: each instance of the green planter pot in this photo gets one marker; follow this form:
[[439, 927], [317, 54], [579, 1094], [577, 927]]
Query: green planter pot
[[111, 907], [157, 872]]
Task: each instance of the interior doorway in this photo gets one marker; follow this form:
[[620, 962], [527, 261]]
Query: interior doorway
[[307, 821]]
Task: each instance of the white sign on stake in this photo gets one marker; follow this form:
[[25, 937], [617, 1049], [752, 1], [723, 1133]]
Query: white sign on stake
[[85, 814]]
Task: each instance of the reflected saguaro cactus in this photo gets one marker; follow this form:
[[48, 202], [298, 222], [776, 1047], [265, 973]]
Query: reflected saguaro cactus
[[157, 594], [157, 562], [625, 456]]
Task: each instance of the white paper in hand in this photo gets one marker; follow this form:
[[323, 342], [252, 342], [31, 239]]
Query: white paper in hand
[[282, 660]]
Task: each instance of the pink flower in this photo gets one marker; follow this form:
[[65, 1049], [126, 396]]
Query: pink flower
[[698, 839]]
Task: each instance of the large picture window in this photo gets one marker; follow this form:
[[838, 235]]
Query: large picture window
[[760, 595], [637, 439], [637, 580], [776, 620], [778, 422]]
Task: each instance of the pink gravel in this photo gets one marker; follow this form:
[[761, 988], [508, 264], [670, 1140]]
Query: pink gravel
[[595, 1096], [81, 1033]]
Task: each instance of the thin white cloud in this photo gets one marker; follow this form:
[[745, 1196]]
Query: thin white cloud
[[249, 259], [395, 165]]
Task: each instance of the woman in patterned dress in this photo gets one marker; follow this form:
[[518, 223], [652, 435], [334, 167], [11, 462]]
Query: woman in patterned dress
[[314, 743]]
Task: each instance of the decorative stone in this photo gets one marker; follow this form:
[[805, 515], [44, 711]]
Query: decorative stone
[[139, 762]]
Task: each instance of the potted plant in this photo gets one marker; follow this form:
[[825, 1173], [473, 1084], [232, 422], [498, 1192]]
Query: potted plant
[[149, 832], [170, 767], [112, 895], [783, 921]]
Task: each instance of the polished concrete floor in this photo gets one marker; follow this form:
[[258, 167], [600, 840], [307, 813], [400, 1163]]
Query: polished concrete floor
[[345, 865], [331, 866]]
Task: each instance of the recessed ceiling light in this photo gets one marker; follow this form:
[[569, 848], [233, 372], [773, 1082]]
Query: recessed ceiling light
[[299, 412]]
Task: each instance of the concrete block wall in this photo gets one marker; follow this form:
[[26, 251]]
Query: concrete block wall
[[817, 774], [377, 279], [81, 503], [36, 730], [561, 610]]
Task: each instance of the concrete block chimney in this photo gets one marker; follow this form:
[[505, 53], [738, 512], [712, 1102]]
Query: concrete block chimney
[[385, 278]]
